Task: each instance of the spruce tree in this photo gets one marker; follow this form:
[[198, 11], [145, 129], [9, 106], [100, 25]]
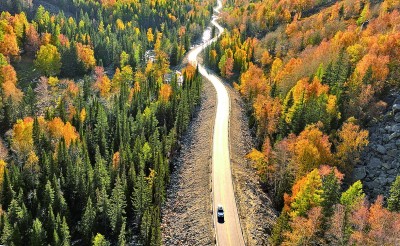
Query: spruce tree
[[116, 210], [394, 197], [88, 220], [64, 233], [122, 235], [38, 235]]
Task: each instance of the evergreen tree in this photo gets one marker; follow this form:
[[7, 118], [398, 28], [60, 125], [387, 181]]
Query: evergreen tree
[[281, 226], [6, 191], [140, 196], [352, 196], [88, 220], [7, 232], [38, 235], [99, 240], [116, 210], [64, 233], [394, 197], [331, 194], [122, 236]]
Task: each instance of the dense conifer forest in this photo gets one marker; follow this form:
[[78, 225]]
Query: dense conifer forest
[[89, 119]]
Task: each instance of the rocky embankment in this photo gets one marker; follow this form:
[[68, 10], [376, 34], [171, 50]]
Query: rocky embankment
[[187, 215], [380, 160]]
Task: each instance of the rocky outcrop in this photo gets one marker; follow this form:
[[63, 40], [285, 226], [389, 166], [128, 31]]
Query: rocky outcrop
[[380, 160]]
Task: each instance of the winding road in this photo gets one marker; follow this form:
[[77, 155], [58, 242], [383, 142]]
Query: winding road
[[229, 232]]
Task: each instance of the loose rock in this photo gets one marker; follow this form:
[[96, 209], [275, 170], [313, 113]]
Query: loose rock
[[383, 164]]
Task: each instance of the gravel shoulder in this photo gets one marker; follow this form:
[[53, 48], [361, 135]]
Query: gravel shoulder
[[256, 212], [186, 216]]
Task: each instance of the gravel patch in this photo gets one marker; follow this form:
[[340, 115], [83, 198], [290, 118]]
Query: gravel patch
[[186, 216]]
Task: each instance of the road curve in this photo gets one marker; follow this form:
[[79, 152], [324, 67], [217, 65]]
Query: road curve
[[229, 232]]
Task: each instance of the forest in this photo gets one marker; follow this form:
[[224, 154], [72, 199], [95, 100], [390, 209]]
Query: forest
[[89, 121], [313, 75]]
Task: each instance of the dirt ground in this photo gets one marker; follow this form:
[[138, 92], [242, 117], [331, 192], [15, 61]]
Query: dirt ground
[[187, 213]]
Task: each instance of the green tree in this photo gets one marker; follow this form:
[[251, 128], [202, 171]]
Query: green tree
[[7, 232], [331, 194], [352, 196], [122, 236], [116, 210], [38, 235], [6, 191], [281, 226], [100, 240], [48, 60], [394, 197], [88, 219], [65, 236], [309, 194]]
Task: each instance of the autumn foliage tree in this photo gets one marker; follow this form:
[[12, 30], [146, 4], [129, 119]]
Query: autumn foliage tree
[[48, 60], [165, 92], [352, 140], [8, 81], [86, 56], [22, 141], [8, 39], [312, 149]]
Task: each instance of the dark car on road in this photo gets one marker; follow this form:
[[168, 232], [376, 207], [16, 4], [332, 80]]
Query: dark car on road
[[220, 214]]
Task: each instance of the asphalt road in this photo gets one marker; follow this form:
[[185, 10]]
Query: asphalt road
[[229, 231]]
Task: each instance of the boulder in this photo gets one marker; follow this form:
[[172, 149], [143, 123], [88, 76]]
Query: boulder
[[394, 135], [373, 185], [392, 172], [381, 181], [396, 108], [395, 128], [374, 163], [390, 180], [359, 173], [381, 149], [397, 118], [393, 153], [386, 165]]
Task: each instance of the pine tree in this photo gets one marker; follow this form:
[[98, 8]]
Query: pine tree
[[88, 220], [102, 206], [7, 232], [99, 240], [281, 226], [38, 236], [122, 236], [48, 198], [331, 195], [155, 227], [64, 233], [60, 205], [352, 196], [394, 197], [140, 196], [6, 191], [116, 210]]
